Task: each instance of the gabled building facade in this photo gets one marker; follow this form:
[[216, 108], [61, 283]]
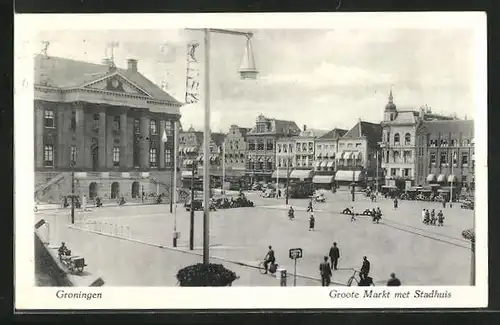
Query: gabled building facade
[[235, 150], [261, 146]]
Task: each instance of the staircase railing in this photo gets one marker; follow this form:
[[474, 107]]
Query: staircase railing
[[42, 188]]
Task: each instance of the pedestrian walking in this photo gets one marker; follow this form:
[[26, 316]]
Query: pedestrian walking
[[427, 217], [395, 203], [393, 281], [334, 256], [444, 203], [310, 206], [311, 222], [326, 273], [365, 268], [440, 218], [433, 217], [352, 214], [84, 202], [423, 215]]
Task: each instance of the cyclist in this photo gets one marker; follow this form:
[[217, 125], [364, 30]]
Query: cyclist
[[269, 259]]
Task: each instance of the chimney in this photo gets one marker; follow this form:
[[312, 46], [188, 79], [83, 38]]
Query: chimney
[[132, 65], [305, 127]]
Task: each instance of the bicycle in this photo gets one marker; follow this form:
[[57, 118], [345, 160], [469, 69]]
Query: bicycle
[[353, 278], [272, 267]]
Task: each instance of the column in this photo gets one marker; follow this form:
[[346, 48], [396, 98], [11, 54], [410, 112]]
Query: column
[[60, 149], [102, 140], [80, 136], [144, 142], [162, 145], [39, 127], [123, 141]]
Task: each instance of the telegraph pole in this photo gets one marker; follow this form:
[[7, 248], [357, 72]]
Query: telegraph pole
[[191, 219], [353, 184], [72, 192]]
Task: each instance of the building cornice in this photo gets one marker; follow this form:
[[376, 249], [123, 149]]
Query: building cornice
[[148, 99]]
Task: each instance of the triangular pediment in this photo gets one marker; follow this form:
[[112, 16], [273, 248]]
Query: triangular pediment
[[117, 83]]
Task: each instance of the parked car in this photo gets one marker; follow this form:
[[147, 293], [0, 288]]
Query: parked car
[[197, 205], [468, 205]]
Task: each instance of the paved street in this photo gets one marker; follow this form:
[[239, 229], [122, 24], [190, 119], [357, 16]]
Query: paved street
[[418, 254]]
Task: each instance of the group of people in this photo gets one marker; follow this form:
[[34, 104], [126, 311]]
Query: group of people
[[430, 218]]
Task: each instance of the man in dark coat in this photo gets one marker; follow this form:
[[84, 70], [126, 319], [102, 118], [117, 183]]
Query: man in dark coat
[[393, 281], [326, 272], [365, 268], [334, 256]]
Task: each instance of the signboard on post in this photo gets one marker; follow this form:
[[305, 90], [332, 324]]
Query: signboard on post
[[295, 253]]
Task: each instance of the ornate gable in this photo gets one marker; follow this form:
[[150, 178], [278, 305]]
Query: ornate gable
[[116, 83]]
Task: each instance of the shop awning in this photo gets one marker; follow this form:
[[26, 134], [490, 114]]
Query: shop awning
[[329, 164], [322, 164], [189, 149], [332, 155], [188, 162], [355, 155], [269, 159], [187, 174], [443, 190], [347, 175], [323, 179], [452, 178], [319, 156], [441, 178], [431, 178], [251, 160], [199, 158], [317, 164], [260, 160], [213, 158], [301, 174], [280, 174]]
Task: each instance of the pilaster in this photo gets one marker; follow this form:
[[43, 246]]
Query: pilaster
[[102, 139]]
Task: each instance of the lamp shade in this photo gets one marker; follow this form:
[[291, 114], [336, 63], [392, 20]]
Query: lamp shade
[[247, 68]]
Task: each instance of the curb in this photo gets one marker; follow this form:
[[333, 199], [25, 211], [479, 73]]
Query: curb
[[191, 253]]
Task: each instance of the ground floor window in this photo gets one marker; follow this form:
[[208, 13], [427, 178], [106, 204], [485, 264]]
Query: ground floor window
[[48, 155], [168, 157], [152, 157], [116, 156]]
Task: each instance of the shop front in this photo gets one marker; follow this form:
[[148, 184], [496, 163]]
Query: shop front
[[323, 182], [345, 178]]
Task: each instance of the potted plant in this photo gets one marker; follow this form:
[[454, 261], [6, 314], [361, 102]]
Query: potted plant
[[205, 275]]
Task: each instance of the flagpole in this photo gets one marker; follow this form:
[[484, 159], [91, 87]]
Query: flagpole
[[174, 186], [451, 183]]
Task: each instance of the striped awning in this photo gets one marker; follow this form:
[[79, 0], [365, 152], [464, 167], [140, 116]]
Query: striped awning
[[280, 174], [343, 155], [187, 174], [431, 178], [323, 179], [349, 175], [329, 164], [301, 174], [441, 178], [212, 158], [187, 150], [260, 160], [452, 178], [317, 164], [322, 164], [188, 162], [199, 158]]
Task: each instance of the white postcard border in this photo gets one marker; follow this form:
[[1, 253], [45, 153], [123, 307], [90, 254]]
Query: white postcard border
[[28, 296]]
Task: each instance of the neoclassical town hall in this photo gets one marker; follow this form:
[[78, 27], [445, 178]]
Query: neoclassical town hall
[[104, 123]]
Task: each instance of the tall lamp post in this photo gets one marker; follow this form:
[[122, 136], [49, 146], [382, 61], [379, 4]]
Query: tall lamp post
[[247, 71]]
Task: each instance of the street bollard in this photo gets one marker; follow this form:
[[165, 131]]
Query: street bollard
[[282, 275], [129, 233]]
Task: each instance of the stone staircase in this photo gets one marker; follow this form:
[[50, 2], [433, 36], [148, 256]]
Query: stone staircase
[[43, 188]]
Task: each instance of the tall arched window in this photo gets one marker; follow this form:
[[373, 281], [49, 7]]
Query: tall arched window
[[396, 138], [407, 139]]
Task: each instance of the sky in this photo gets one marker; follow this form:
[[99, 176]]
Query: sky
[[319, 78]]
